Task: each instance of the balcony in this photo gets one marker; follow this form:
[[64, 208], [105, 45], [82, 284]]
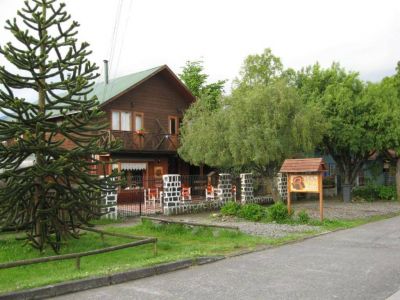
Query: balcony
[[143, 141]]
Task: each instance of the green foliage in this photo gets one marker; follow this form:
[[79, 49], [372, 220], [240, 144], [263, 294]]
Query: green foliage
[[303, 217], [373, 192], [358, 114], [196, 80], [252, 212], [256, 129], [278, 212], [230, 209], [58, 191], [259, 69], [387, 192], [174, 243]]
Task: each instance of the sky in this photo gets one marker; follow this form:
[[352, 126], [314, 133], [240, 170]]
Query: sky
[[362, 35]]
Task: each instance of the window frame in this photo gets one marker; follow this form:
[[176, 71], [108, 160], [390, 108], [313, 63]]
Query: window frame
[[136, 113], [120, 111], [176, 118]]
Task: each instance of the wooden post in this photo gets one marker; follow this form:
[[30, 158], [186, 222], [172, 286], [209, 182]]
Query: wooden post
[[321, 197], [288, 194], [155, 248], [78, 262]]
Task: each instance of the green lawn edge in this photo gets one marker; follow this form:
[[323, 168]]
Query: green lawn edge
[[176, 242]]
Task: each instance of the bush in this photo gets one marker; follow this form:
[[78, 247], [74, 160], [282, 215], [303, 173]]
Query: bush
[[252, 212], [303, 217], [372, 192], [278, 212], [387, 192], [230, 209]]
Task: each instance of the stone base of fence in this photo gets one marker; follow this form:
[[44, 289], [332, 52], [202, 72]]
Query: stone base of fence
[[191, 208], [261, 200]]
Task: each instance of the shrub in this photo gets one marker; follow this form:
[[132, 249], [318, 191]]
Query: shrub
[[303, 217], [278, 212], [367, 192], [253, 212], [230, 208], [387, 192], [372, 192]]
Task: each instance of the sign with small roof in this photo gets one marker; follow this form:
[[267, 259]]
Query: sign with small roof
[[304, 176]]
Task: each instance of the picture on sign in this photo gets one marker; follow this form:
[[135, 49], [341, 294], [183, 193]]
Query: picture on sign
[[158, 172], [304, 183]]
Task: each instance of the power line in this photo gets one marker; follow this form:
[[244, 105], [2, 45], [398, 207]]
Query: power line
[[121, 46], [113, 41]]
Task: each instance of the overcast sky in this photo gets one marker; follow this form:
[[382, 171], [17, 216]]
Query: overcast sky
[[363, 35]]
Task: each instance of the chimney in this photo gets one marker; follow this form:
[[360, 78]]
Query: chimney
[[106, 71]]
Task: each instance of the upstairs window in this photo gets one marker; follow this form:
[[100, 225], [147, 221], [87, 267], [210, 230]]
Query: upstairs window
[[139, 121], [173, 125], [121, 120]]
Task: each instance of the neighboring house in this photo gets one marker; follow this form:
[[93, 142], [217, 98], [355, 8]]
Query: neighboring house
[[144, 111], [380, 169]]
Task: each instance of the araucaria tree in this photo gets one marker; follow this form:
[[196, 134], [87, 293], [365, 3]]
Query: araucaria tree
[[59, 189]]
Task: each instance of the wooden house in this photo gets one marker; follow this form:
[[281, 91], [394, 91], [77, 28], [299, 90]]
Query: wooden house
[[144, 111]]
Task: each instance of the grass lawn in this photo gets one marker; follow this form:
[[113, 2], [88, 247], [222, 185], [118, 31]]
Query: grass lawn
[[174, 242]]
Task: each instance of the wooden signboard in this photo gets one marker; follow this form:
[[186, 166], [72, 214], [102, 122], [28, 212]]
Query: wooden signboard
[[305, 176], [304, 183]]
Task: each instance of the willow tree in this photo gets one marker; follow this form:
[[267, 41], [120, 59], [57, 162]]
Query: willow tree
[[255, 129], [58, 190]]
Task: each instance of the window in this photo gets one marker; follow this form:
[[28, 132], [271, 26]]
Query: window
[[121, 120], [139, 121], [172, 125], [126, 121], [115, 120]]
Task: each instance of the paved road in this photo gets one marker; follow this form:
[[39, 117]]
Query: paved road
[[361, 263]]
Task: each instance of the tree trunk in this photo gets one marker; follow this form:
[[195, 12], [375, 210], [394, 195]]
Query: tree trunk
[[347, 186], [398, 178], [271, 186], [39, 192]]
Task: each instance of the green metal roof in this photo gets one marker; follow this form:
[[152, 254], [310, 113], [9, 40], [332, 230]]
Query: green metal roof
[[105, 92]]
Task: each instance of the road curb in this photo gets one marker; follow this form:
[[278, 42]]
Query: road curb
[[95, 282]]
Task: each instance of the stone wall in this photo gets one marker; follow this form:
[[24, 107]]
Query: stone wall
[[225, 187], [171, 191], [189, 208], [110, 199], [282, 185], [247, 193]]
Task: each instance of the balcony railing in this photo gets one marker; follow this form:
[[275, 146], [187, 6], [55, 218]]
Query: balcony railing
[[145, 141]]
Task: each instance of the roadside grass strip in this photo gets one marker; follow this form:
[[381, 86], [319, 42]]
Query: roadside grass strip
[[174, 242]]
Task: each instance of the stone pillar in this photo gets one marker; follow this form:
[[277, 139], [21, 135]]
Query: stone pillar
[[225, 187], [110, 199], [246, 182], [171, 191], [282, 185]]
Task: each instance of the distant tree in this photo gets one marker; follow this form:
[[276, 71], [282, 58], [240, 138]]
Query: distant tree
[[196, 80], [259, 69], [353, 113], [59, 191], [388, 90]]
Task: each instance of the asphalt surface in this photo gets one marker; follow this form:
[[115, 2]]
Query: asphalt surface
[[360, 263]]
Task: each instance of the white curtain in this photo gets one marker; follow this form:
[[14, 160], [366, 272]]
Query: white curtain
[[125, 121], [138, 122], [115, 120]]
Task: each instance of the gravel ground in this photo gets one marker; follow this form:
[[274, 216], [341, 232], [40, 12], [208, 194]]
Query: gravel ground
[[333, 209], [263, 229], [337, 209]]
